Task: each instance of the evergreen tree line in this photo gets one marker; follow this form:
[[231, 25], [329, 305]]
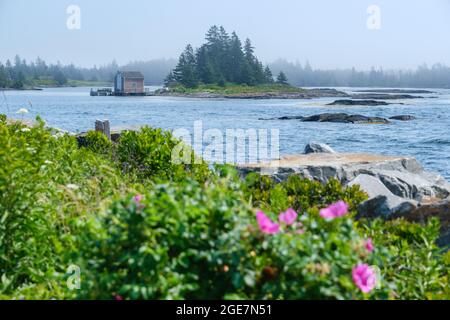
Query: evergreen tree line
[[19, 73], [436, 76], [222, 59]]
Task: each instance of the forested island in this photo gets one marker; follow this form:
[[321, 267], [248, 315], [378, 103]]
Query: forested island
[[224, 66], [221, 60]]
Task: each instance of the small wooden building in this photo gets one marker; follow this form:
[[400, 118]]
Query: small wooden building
[[129, 83]]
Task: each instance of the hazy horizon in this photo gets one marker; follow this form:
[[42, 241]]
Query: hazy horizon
[[329, 35]]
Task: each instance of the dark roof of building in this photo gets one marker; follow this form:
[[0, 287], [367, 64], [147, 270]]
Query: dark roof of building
[[132, 74]]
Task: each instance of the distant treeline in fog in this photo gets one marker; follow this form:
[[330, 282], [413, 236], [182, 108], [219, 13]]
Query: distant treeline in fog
[[436, 76], [20, 73]]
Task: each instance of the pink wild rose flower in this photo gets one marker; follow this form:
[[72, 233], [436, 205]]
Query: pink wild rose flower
[[138, 198], [369, 245], [364, 277], [335, 210], [266, 225], [288, 217]]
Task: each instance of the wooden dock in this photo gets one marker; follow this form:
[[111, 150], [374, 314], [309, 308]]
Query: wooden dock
[[107, 92]]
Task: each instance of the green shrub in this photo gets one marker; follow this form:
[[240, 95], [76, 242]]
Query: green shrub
[[27, 220], [99, 143], [167, 246], [47, 188], [298, 193], [197, 241], [416, 266], [194, 234], [315, 264], [148, 154], [407, 254]]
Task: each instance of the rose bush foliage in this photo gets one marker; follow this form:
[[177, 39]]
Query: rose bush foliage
[[141, 227]]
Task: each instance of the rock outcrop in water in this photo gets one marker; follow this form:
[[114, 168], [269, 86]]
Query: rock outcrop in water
[[345, 118], [316, 147], [397, 91], [397, 186], [383, 96], [358, 103], [403, 118]]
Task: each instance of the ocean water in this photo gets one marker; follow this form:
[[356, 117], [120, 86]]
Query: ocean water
[[427, 138]]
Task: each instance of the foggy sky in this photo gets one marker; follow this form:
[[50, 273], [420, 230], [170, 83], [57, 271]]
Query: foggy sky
[[328, 33]]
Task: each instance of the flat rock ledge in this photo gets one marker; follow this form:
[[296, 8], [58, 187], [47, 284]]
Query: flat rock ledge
[[344, 118], [346, 102], [397, 186], [304, 94], [384, 96]]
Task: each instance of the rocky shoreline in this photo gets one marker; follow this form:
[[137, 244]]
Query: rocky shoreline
[[397, 91], [371, 103], [384, 96], [304, 94], [344, 118], [375, 97]]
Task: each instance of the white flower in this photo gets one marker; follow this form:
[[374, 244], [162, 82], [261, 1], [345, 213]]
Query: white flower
[[58, 135], [48, 162], [25, 130], [72, 186], [22, 111]]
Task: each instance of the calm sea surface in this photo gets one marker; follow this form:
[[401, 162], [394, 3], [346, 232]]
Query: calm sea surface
[[427, 138]]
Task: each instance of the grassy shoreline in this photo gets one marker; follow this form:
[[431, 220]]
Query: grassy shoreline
[[236, 89], [44, 84], [233, 91]]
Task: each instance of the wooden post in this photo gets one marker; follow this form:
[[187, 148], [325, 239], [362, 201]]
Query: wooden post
[[107, 129], [99, 126], [103, 127]]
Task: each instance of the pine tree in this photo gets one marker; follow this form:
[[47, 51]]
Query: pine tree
[[249, 51], [268, 75], [4, 83], [248, 71], [237, 59], [185, 72], [258, 71], [282, 79], [59, 77], [224, 55], [254, 69], [170, 81], [206, 73]]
